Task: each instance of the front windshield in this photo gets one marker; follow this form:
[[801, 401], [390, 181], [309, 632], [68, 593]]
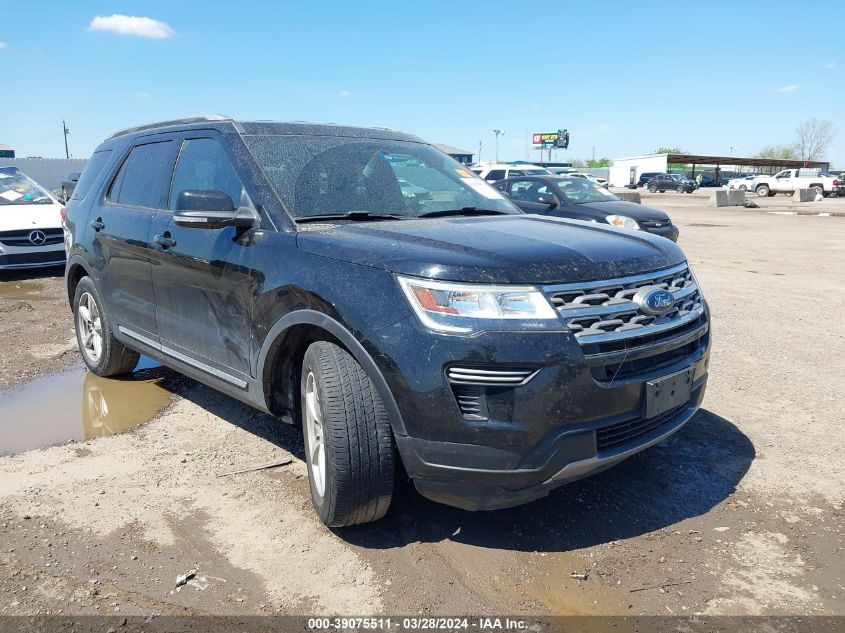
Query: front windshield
[[17, 188], [580, 190], [327, 175]]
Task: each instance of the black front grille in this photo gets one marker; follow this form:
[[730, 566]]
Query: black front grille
[[21, 238], [616, 434], [56, 257], [656, 224]]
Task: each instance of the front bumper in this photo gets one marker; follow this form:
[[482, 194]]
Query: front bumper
[[573, 454], [670, 232], [12, 257], [536, 435]]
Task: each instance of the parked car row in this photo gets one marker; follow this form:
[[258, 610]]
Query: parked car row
[[362, 284]]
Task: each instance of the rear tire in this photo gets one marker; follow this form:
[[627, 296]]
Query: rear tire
[[680, 190], [349, 449], [103, 354], [652, 189], [818, 189]]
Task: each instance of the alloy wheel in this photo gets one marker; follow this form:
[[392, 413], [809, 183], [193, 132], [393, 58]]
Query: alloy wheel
[[316, 454], [90, 327]]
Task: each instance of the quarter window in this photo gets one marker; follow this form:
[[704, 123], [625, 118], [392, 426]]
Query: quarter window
[[496, 174], [143, 177], [90, 173], [203, 165]]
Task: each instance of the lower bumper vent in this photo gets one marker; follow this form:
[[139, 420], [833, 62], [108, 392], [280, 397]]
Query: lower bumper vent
[[615, 434], [470, 386]]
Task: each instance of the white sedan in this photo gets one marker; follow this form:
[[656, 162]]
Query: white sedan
[[742, 184], [596, 179], [31, 234]]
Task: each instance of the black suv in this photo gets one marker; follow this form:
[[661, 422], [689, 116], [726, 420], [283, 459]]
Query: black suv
[[363, 284], [670, 182]]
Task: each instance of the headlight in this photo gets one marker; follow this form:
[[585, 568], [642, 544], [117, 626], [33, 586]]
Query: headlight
[[623, 222], [458, 307]]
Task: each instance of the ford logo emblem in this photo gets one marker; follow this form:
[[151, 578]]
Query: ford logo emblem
[[654, 301]]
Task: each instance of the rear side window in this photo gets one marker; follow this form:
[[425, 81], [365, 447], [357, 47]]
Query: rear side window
[[90, 174], [144, 176], [203, 164], [496, 174]]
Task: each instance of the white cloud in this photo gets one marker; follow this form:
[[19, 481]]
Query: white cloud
[[2, 45], [131, 25], [788, 88], [830, 65], [344, 93]]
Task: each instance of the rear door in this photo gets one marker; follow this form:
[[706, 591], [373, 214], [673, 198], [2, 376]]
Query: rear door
[[201, 277], [121, 225]]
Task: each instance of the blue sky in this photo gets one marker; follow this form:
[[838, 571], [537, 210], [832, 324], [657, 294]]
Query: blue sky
[[624, 77]]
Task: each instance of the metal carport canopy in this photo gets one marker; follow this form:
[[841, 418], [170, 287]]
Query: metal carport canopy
[[750, 162]]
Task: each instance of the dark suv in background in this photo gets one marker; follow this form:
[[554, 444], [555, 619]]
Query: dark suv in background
[[670, 182], [363, 284]]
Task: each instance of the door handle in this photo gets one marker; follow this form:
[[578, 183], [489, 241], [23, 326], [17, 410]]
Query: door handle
[[165, 241], [98, 225]]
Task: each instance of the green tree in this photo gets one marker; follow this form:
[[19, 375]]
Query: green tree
[[777, 152], [669, 150], [598, 162], [813, 138]]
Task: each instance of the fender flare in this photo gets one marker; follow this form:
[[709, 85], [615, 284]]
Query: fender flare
[[336, 329], [75, 260]]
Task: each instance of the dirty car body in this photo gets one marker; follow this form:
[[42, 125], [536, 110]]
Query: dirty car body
[[511, 353]]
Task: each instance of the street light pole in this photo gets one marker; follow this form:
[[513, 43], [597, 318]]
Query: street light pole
[[498, 133], [479, 152], [66, 132]]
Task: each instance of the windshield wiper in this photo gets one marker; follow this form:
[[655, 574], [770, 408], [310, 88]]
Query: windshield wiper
[[461, 211], [352, 215]]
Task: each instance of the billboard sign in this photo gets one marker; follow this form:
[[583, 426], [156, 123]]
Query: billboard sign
[[558, 139]]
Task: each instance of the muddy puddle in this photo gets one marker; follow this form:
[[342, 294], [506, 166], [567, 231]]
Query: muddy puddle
[[77, 405], [23, 290]]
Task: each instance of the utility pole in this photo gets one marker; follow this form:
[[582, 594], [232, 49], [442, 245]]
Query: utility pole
[[592, 164], [498, 133], [66, 132], [479, 152]]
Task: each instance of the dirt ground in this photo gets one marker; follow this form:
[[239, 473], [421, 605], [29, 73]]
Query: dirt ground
[[739, 513]]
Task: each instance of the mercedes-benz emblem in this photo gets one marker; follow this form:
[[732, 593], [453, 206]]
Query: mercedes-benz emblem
[[37, 237]]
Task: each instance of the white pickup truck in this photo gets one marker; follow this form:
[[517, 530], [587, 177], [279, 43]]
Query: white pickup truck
[[790, 180]]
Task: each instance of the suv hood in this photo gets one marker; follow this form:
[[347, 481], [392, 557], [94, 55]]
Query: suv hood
[[494, 249]]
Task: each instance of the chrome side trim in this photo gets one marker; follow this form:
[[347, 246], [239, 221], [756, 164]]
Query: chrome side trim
[[208, 369], [139, 337], [169, 351]]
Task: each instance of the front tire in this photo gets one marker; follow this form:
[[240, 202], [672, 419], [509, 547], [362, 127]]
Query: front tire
[[680, 190], [103, 354], [349, 449], [763, 191]]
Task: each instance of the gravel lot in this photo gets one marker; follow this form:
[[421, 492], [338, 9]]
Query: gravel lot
[[740, 513]]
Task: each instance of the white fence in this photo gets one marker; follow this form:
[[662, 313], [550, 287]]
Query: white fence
[[47, 172]]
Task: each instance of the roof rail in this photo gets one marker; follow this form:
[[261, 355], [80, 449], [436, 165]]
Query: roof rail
[[183, 121]]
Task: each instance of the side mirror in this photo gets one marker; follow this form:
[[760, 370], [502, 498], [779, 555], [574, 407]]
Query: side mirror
[[549, 199], [210, 209]]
